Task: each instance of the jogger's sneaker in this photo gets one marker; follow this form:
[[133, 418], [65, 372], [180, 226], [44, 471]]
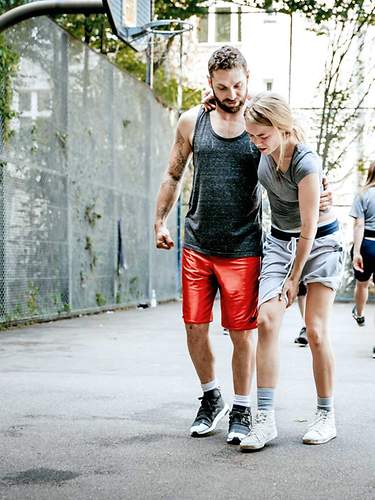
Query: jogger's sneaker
[[239, 424], [322, 429], [302, 337], [211, 411], [373, 352], [263, 431], [359, 319]]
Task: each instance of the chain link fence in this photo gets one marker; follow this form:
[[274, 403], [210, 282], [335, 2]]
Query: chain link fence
[[79, 177], [80, 174]]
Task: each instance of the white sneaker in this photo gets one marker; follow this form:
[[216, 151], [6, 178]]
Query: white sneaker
[[263, 431], [322, 429]]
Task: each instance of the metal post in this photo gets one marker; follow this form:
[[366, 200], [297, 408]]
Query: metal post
[[150, 60], [290, 57], [150, 52], [179, 203], [3, 301]]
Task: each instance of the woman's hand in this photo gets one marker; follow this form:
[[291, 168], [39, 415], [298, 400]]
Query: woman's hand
[[209, 103], [326, 197], [358, 262], [290, 290], [208, 100]]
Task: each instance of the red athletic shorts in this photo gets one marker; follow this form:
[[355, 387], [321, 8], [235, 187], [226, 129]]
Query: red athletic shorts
[[237, 280]]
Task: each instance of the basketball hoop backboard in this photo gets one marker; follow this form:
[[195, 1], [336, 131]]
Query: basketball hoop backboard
[[127, 18]]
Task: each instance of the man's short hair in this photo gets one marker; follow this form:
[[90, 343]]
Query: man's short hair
[[226, 57]]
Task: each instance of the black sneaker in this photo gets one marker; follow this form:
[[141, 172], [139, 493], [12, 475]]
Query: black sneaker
[[302, 337], [212, 410], [373, 352], [239, 424], [359, 319]]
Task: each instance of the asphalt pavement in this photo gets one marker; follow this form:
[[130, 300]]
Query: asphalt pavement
[[99, 407]]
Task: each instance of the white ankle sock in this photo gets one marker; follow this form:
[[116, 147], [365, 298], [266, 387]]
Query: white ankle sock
[[214, 384], [241, 400]]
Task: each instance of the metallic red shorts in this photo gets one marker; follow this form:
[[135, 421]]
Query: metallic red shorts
[[237, 280]]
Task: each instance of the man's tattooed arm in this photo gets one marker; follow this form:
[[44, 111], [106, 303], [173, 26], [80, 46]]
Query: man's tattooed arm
[[170, 186]]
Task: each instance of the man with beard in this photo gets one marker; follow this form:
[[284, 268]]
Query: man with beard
[[223, 233]]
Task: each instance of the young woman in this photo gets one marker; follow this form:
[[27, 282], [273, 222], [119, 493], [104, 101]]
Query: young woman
[[303, 246], [363, 252]]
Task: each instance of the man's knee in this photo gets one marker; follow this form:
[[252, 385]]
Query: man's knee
[[196, 330]]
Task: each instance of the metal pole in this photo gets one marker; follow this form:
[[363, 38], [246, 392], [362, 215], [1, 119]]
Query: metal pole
[[150, 52], [3, 288], [290, 57], [49, 7], [150, 60], [179, 203]]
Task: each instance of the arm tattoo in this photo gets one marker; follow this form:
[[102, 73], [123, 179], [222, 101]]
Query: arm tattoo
[[162, 212], [178, 164]]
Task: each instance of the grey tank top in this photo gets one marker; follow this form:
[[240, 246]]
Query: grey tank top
[[224, 216]]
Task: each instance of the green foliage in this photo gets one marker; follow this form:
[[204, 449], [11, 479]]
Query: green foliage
[[166, 91], [8, 67], [32, 304], [183, 9], [90, 250], [317, 11], [96, 32], [129, 60], [100, 299], [91, 216], [9, 4]]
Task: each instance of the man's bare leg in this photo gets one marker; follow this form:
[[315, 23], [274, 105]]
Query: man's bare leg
[[243, 364], [212, 408]]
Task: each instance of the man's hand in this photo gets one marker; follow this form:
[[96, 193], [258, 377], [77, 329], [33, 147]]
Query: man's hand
[[358, 262], [163, 238], [289, 292], [326, 198]]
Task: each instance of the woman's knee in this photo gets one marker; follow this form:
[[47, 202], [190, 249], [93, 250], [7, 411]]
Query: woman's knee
[[316, 334], [362, 285], [266, 323]]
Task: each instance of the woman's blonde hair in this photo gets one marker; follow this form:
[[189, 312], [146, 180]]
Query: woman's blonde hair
[[272, 110], [370, 181]]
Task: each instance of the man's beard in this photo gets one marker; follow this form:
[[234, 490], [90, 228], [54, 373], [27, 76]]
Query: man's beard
[[230, 109]]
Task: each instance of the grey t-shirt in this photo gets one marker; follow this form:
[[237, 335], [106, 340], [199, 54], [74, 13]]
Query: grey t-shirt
[[282, 188], [364, 207]]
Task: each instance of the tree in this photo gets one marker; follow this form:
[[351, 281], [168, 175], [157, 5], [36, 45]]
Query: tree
[[346, 82], [182, 9], [345, 85], [96, 32]]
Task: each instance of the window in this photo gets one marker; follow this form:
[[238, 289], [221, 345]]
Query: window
[[24, 100], [203, 29], [268, 84], [222, 24], [239, 25], [44, 100]]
